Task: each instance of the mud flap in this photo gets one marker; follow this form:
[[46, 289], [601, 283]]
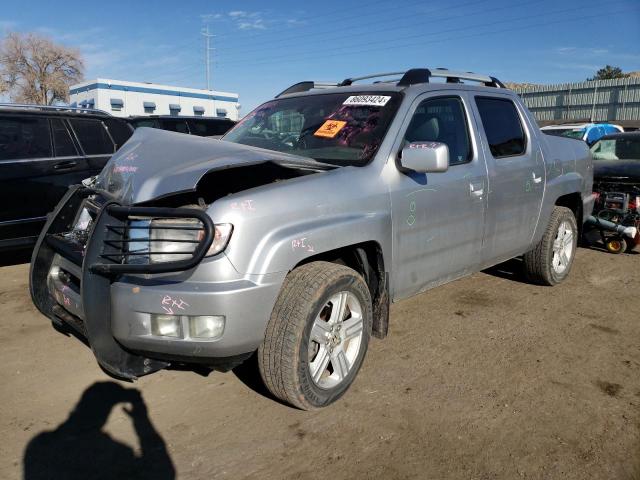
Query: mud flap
[[95, 290]]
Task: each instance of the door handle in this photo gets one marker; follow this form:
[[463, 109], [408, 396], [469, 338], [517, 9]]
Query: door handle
[[476, 190], [65, 165], [536, 179]]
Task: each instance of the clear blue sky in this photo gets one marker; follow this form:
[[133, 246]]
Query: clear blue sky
[[262, 47]]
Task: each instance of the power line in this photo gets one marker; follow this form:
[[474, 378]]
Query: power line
[[369, 25], [388, 43], [332, 14]]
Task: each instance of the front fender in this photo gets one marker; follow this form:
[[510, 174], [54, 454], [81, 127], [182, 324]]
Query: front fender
[[286, 246]]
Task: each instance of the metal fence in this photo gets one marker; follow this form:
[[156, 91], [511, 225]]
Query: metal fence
[[616, 100]]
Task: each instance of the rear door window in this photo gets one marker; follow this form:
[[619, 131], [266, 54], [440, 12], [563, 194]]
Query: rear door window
[[147, 122], [198, 128], [220, 127], [179, 126], [62, 143], [93, 136], [24, 137], [209, 128], [502, 126], [120, 131]]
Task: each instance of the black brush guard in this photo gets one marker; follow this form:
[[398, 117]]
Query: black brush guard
[[102, 260]]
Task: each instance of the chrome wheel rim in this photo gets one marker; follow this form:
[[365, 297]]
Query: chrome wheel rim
[[335, 340], [562, 248]]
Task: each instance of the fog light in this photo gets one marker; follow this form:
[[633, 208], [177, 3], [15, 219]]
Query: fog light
[[166, 325], [206, 326]]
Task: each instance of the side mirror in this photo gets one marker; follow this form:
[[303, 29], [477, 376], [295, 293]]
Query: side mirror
[[425, 157]]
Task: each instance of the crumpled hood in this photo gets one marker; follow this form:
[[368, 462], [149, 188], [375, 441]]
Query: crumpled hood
[[155, 163]]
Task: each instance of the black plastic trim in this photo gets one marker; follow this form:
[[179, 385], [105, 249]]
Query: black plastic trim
[[297, 88], [415, 75]]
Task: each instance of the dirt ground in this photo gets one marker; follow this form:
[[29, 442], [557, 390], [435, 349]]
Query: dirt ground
[[484, 378]]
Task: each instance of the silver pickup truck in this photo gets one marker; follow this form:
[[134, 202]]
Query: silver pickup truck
[[291, 235]]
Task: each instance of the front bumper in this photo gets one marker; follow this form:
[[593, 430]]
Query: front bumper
[[114, 312]]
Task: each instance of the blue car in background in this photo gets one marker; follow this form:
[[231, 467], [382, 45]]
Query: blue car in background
[[588, 132]]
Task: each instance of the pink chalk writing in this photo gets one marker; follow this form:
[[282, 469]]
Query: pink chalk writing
[[66, 300], [124, 169], [302, 244], [169, 304], [425, 145], [245, 205], [130, 157]]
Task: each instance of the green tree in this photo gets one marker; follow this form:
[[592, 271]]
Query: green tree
[[609, 72]]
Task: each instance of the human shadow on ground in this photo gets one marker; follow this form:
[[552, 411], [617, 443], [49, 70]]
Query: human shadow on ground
[[80, 449]]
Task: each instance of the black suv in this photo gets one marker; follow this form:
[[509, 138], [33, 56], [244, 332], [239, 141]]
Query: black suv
[[201, 126], [44, 150]]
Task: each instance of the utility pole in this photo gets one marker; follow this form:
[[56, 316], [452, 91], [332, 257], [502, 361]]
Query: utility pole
[[207, 56]]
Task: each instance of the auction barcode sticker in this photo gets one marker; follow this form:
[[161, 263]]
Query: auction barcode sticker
[[369, 100]]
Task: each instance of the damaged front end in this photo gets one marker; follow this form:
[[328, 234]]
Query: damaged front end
[[121, 257], [88, 241]]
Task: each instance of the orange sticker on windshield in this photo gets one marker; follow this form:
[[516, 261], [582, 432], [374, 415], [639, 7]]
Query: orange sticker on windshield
[[330, 128]]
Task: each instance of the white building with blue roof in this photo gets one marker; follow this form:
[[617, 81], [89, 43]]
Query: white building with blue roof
[[124, 99]]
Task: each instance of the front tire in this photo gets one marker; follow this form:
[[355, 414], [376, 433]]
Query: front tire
[[549, 263], [317, 336]]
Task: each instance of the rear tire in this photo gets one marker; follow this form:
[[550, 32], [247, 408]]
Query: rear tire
[[317, 336], [550, 261]]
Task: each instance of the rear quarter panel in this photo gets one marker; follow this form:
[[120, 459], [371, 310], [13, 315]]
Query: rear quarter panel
[[569, 169]]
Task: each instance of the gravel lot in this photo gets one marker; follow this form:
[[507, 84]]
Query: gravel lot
[[485, 378]]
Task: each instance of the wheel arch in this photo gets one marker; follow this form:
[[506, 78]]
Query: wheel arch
[[561, 191], [367, 259], [573, 201]]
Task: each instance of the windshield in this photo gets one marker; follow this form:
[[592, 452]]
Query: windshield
[[565, 132], [337, 128], [622, 148]]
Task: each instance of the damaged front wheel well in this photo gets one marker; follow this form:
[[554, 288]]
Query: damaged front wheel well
[[366, 259]]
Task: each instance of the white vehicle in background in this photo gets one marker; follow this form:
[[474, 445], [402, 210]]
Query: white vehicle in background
[[588, 132]]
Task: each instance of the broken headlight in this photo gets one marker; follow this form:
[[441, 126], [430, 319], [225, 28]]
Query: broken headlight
[[174, 239]]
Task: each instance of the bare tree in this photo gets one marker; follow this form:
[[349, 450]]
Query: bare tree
[[33, 69]]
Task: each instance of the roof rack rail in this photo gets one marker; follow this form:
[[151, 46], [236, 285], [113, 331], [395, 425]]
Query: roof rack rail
[[410, 77], [348, 81], [422, 75], [54, 108], [306, 86]]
